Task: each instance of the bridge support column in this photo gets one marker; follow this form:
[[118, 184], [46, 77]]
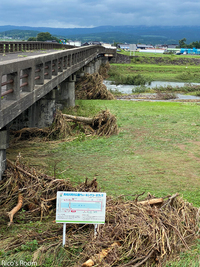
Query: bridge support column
[[40, 114], [89, 68], [80, 73], [4, 143], [65, 95], [93, 66], [46, 110], [97, 64]]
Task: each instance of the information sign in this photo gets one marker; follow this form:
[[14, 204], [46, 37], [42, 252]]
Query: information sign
[[80, 207], [132, 47]]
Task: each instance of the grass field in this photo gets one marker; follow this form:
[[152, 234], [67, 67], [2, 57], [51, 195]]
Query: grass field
[[146, 54], [157, 150], [154, 72]]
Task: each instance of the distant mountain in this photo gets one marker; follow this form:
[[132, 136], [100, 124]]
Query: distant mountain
[[129, 34], [22, 34]]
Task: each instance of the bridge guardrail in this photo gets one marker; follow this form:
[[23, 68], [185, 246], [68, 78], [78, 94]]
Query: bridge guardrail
[[10, 47]]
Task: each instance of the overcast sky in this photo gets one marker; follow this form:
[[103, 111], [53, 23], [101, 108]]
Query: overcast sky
[[91, 13]]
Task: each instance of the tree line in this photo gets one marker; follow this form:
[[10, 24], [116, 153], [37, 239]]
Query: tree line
[[182, 44], [44, 36]]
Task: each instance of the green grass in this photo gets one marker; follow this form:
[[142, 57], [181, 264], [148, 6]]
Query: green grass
[[154, 72], [157, 151], [187, 259]]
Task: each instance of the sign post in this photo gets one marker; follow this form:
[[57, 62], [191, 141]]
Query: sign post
[[132, 48], [64, 233], [80, 207]]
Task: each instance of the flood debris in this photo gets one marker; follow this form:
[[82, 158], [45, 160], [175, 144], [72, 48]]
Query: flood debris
[[103, 123], [60, 128], [148, 234], [99, 256], [64, 125], [147, 231], [36, 192], [104, 69], [91, 86]]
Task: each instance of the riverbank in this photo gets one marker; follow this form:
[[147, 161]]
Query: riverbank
[[156, 91], [153, 58], [154, 72]]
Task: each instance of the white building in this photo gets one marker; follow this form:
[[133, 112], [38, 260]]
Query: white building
[[74, 43]]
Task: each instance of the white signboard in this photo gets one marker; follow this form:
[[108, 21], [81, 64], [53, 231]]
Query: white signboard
[[132, 47], [80, 207]]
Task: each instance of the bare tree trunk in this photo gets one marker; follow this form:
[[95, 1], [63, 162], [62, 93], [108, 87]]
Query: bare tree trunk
[[151, 201], [100, 256], [78, 118], [15, 209]]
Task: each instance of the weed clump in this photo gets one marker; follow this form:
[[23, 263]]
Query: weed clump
[[130, 79]]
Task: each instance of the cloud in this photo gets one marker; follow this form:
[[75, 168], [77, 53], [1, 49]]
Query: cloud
[[88, 13]]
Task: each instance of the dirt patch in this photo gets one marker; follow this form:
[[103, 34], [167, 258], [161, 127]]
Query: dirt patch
[[189, 153], [152, 97]]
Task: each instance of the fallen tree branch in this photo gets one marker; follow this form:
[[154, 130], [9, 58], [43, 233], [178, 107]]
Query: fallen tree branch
[[80, 119], [152, 201], [15, 209], [100, 256], [170, 200], [20, 169], [46, 200]]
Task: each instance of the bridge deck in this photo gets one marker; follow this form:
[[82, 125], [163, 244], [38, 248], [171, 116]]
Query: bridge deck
[[18, 55]]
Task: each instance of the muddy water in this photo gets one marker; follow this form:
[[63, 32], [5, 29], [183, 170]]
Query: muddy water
[[127, 89]]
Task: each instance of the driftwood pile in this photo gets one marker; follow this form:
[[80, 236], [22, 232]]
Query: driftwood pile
[[35, 192], [104, 124], [135, 233], [63, 126], [104, 69], [91, 86]]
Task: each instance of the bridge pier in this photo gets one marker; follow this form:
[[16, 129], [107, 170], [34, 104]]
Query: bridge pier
[[40, 114], [46, 110], [65, 95], [94, 65], [89, 68], [4, 143]]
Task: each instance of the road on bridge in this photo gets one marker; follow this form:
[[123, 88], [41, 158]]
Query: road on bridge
[[19, 55]]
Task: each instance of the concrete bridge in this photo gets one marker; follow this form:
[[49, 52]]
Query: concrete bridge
[[33, 84]]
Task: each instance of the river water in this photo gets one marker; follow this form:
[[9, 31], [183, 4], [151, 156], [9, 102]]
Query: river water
[[127, 89]]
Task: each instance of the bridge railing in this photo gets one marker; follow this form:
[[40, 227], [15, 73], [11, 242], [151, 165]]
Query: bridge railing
[[21, 78], [10, 47]]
